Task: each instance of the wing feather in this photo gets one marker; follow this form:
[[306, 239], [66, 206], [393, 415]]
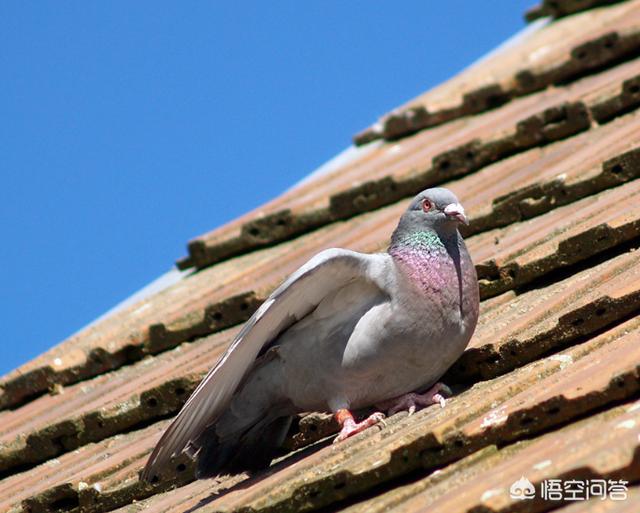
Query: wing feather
[[328, 271]]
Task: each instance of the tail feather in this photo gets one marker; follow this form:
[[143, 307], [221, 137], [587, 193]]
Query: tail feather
[[252, 449]]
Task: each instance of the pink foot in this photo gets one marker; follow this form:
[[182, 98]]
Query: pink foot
[[413, 401], [350, 427]]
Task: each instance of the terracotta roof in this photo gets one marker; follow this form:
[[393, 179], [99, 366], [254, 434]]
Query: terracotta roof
[[541, 142]]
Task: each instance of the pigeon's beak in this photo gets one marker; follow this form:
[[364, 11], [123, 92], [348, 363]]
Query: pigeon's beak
[[456, 211]]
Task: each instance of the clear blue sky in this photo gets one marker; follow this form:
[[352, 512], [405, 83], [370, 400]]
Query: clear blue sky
[[127, 128]]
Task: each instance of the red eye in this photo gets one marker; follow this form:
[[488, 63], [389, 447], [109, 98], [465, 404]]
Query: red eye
[[426, 205]]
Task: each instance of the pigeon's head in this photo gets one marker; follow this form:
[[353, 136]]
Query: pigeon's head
[[438, 206], [435, 209]]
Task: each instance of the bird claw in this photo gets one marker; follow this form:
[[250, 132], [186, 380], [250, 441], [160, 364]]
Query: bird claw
[[413, 401], [350, 427], [440, 399]]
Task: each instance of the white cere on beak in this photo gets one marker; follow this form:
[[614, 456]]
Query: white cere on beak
[[456, 210]]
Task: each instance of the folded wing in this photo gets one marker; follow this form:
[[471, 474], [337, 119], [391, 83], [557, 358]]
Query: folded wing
[[299, 295]]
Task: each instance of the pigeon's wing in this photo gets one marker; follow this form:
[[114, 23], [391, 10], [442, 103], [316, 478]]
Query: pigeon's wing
[[328, 271]]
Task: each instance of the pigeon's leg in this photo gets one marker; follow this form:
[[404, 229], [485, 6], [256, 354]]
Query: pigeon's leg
[[414, 401], [350, 427]]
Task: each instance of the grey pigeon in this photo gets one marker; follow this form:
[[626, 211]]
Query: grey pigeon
[[345, 331]]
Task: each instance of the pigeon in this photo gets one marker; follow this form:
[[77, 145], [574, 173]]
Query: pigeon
[[344, 332]]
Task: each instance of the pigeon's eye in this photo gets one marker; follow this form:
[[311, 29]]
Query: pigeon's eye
[[426, 205]]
